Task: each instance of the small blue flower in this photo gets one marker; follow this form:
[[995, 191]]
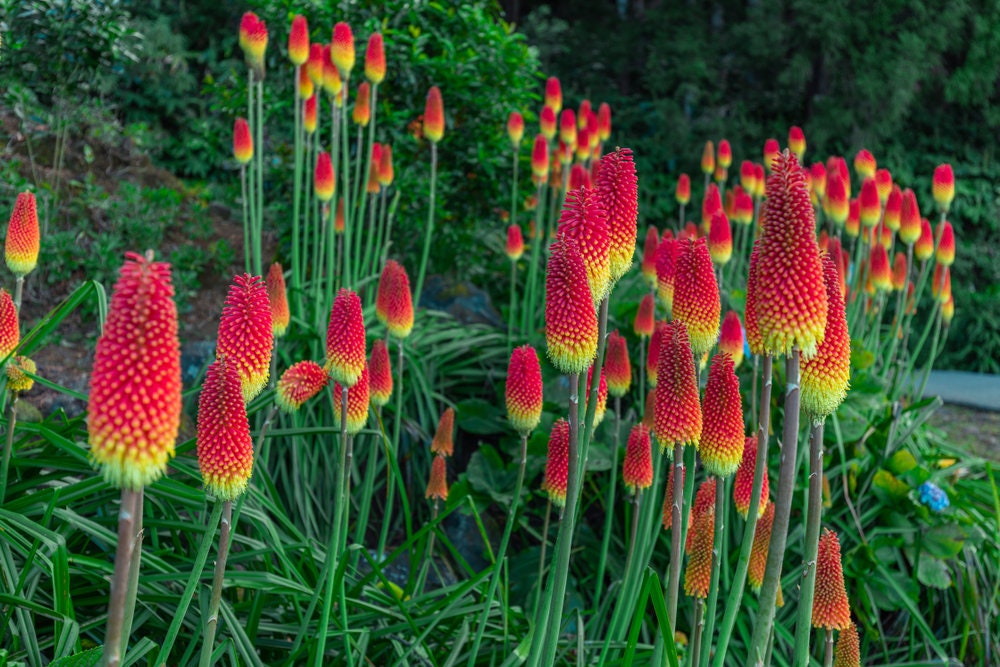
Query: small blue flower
[[933, 496]]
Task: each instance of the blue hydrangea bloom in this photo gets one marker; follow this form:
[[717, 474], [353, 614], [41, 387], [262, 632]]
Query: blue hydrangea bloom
[[933, 496]]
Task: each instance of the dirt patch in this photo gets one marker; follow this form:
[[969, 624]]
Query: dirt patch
[[972, 429]]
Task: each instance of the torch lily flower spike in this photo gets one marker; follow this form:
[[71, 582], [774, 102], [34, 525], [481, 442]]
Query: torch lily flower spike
[[731, 337], [342, 49], [437, 485], [434, 115], [570, 317], [443, 443], [23, 239], [246, 333], [743, 484], [10, 327], [721, 443], [345, 340], [637, 470], [358, 400], [225, 448], [394, 302], [277, 297], [375, 59], [617, 367], [584, 221], [848, 650], [830, 607], [298, 384], [242, 141], [696, 295], [678, 417], [557, 463], [618, 189], [19, 381], [523, 391], [298, 40], [379, 374], [944, 187]]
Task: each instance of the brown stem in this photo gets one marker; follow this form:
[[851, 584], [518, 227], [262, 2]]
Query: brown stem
[[119, 581]]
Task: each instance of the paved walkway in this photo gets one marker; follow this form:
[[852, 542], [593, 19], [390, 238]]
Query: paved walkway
[[975, 390]]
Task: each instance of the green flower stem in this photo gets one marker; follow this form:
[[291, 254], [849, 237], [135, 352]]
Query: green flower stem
[[357, 216], [334, 273], [938, 318], [513, 185], [429, 232], [680, 221], [369, 237], [828, 652], [782, 511], [735, 598], [642, 376], [513, 303], [531, 287], [713, 587], [192, 585], [814, 512], [634, 534], [388, 225], [9, 446], [367, 490], [133, 578], [127, 513], [396, 432], [900, 310], [426, 565], [609, 511], [676, 555], [696, 634], [498, 564], [212, 621], [259, 156], [246, 219], [296, 194], [345, 172]]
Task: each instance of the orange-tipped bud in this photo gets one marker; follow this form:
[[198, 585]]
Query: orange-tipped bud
[[898, 272], [817, 178], [553, 94], [892, 214], [134, 408], [645, 317], [325, 180], [748, 177], [743, 483], [698, 573], [649, 248], [306, 86], [868, 202], [379, 374], [947, 314], [725, 154], [883, 183], [583, 113], [637, 470], [547, 123], [523, 392], [666, 270], [358, 400], [298, 41], [731, 337], [945, 253], [540, 159], [314, 66], [246, 333], [711, 203], [515, 243], [879, 268], [515, 128], [584, 221], [345, 339], [242, 141], [924, 247], [760, 181], [653, 353], [386, 173], [944, 187], [375, 59], [864, 164], [824, 378], [720, 239], [277, 297], [363, 111], [847, 652], [570, 318], [743, 208], [444, 443], [253, 41], [668, 496], [298, 384], [618, 189], [708, 158], [729, 202], [683, 193], [754, 340], [332, 83], [557, 463], [338, 219], [10, 328], [225, 448], [23, 238], [342, 49], [617, 367], [371, 186], [18, 368], [791, 299], [797, 141], [309, 113], [771, 151], [678, 416], [603, 121], [582, 144], [696, 295], [830, 607], [437, 485], [909, 218], [567, 127], [393, 302], [759, 548], [434, 115], [852, 227], [721, 444], [941, 283]]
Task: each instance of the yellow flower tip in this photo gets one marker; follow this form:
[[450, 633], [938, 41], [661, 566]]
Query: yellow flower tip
[[18, 378]]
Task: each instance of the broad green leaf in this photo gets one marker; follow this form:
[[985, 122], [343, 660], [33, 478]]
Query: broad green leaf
[[933, 572]]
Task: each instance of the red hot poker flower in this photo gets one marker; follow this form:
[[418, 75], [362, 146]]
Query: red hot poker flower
[[893, 209], [345, 339], [698, 574], [358, 399], [725, 154], [847, 652], [437, 485], [342, 49], [946, 247], [515, 128], [771, 151], [696, 295], [379, 374], [394, 303], [748, 177], [567, 127], [852, 226], [898, 272], [944, 187], [253, 41], [864, 164], [557, 463], [883, 183], [645, 318], [754, 340], [298, 384], [246, 333], [830, 607], [298, 41], [362, 106], [278, 299], [817, 177], [708, 158], [678, 416], [325, 181], [711, 203], [523, 391], [547, 124], [23, 237], [242, 141], [649, 249], [540, 159], [602, 395], [743, 208], [731, 337], [584, 221], [314, 65], [444, 443], [653, 354], [375, 59], [10, 328], [720, 239], [618, 188], [338, 220], [683, 192], [759, 548], [515, 243], [637, 470], [225, 448], [434, 115], [879, 268], [134, 408], [909, 218], [603, 121], [570, 318], [825, 377], [617, 367], [743, 484], [924, 247], [309, 112], [721, 444], [332, 83], [553, 94], [385, 170], [668, 498], [18, 367], [869, 205], [797, 141]]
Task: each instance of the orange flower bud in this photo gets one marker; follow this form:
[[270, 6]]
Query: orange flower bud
[[540, 159], [637, 470], [721, 445], [947, 314], [557, 464], [892, 214], [547, 123], [23, 237], [379, 374], [358, 399], [394, 303], [708, 158], [515, 243], [434, 115], [748, 177], [649, 248], [338, 220], [760, 182], [830, 607], [298, 41], [668, 496], [653, 353], [134, 407], [298, 384], [824, 378], [797, 141], [731, 337], [342, 49], [869, 206], [553, 94], [847, 652], [817, 177], [743, 208], [331, 77], [720, 239], [909, 218], [253, 41], [278, 299], [437, 485], [924, 247], [309, 113], [617, 367], [225, 448], [314, 66], [567, 128], [584, 221], [743, 483], [325, 180], [523, 391], [883, 183], [864, 164], [696, 295], [945, 253], [604, 121], [363, 110], [345, 339], [759, 548], [515, 128], [618, 190], [941, 283], [944, 187], [242, 141], [645, 317], [10, 328], [375, 59], [711, 203], [306, 86], [683, 193], [678, 416], [879, 268], [725, 155], [443, 443], [852, 227], [771, 152]]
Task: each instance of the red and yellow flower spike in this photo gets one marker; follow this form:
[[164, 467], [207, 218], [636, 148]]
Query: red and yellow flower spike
[[724, 156], [653, 354], [434, 115], [754, 340], [18, 380], [618, 190], [602, 396], [338, 218], [698, 573], [668, 496], [309, 112], [584, 221], [298, 40], [242, 141], [553, 94], [797, 141], [314, 65], [342, 49], [570, 317], [852, 226], [817, 179], [253, 41], [567, 127], [678, 416], [683, 191], [547, 124], [557, 463], [362, 112], [847, 652], [731, 337], [298, 384], [743, 208], [540, 159], [947, 313], [345, 340], [134, 407], [375, 59], [879, 268], [708, 158], [909, 218], [379, 374], [649, 248], [385, 170], [10, 328], [759, 548], [830, 607], [325, 180], [603, 121], [246, 333], [515, 128], [893, 211], [824, 378], [696, 295], [645, 318], [748, 177], [941, 283], [883, 184], [898, 272], [710, 203], [23, 237], [277, 297], [437, 485], [443, 442], [720, 239], [945, 253], [791, 298], [393, 302], [944, 187], [771, 151], [523, 392], [358, 400], [515, 243], [225, 448], [637, 470], [332, 83], [923, 249], [617, 366], [760, 181], [743, 482], [869, 206], [721, 443], [864, 164]]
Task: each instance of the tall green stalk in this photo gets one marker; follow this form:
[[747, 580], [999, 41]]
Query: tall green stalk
[[513, 303], [430, 228], [332, 238], [814, 511], [782, 511], [609, 512], [713, 587], [246, 220], [212, 620], [531, 285], [345, 171], [296, 192], [676, 555], [369, 252], [8, 446], [259, 157], [127, 513], [396, 433]]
